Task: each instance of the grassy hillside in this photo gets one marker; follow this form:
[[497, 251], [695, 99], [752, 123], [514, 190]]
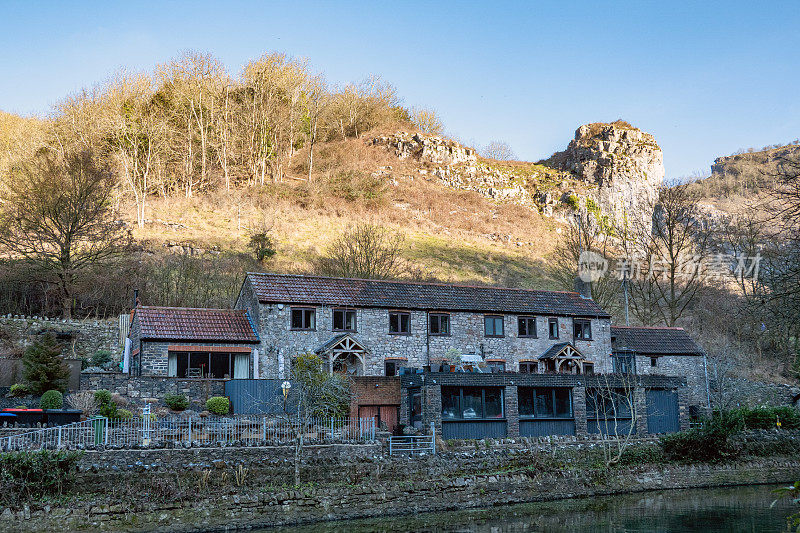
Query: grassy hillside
[[450, 235]]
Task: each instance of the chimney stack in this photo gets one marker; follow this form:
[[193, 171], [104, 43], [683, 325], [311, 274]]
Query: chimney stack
[[135, 298], [583, 288]]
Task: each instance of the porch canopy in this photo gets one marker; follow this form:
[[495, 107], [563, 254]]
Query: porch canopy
[[563, 358], [345, 354]]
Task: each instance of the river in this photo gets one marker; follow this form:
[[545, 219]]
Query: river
[[737, 509]]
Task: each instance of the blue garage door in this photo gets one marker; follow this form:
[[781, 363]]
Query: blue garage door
[[662, 411]]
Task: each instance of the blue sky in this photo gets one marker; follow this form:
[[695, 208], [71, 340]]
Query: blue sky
[[705, 78]]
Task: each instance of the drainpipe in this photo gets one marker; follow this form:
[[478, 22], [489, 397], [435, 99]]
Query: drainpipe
[[708, 388], [428, 337]]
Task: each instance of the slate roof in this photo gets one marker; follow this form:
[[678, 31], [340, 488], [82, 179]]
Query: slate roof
[[653, 341], [314, 290], [556, 349], [183, 323]]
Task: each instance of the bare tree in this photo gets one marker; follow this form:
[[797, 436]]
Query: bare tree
[[364, 251], [499, 150], [59, 219], [318, 396], [669, 253], [611, 402], [586, 234], [427, 121]]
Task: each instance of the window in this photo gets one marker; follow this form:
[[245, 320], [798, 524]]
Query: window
[[493, 326], [344, 319], [608, 403], [439, 324], [208, 365], [469, 403], [588, 368], [654, 361], [529, 367], [552, 325], [390, 368], [527, 326], [496, 366], [304, 318], [582, 329], [399, 323], [545, 402], [624, 363]]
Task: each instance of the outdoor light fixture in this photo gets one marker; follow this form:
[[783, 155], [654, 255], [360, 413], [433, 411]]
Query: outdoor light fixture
[[285, 386]]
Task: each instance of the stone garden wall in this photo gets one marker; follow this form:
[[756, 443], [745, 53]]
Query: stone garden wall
[[153, 389]]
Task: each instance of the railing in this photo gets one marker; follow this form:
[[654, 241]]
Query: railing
[[413, 444], [192, 431]]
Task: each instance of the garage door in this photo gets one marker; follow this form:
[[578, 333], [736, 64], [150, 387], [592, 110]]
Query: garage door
[[662, 411]]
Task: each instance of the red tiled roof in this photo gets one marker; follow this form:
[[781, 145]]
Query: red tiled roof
[[654, 341], [182, 323], [315, 290]]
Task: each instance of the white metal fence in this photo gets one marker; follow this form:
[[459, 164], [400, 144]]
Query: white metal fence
[[193, 431]]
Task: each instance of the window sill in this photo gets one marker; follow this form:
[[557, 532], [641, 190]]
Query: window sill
[[302, 329], [439, 334], [494, 336], [400, 334], [345, 330], [527, 337]]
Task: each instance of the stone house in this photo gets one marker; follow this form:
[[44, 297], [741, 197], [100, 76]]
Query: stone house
[[377, 328], [661, 351], [191, 343]]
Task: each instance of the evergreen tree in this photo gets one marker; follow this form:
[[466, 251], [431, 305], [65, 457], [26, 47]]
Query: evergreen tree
[[44, 367]]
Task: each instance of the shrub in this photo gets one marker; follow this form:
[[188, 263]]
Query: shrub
[[102, 396], [44, 367], [767, 417], [106, 406], [176, 402], [18, 390], [101, 358], [262, 245], [123, 414], [573, 202], [30, 474], [83, 401], [51, 399], [708, 444], [219, 405]]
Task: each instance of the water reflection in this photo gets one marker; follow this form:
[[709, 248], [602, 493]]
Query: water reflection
[[738, 509]]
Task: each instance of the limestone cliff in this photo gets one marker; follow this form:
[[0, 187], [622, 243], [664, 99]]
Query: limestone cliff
[[624, 163], [617, 165]]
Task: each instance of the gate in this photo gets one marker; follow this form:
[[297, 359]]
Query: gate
[[258, 396], [662, 411]]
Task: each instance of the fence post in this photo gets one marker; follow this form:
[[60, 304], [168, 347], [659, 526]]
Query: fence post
[[433, 438], [189, 440], [59, 436], [331, 428], [264, 429], [105, 433]]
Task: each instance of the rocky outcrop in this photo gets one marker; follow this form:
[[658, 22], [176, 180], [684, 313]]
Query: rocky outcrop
[[426, 148], [624, 163], [617, 164]]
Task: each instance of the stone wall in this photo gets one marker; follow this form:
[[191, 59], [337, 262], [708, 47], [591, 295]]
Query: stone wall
[[153, 389], [280, 343], [690, 367], [366, 486], [80, 338]]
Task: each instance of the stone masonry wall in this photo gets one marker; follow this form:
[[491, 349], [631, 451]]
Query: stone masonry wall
[[688, 366], [153, 389], [279, 343], [81, 338]]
